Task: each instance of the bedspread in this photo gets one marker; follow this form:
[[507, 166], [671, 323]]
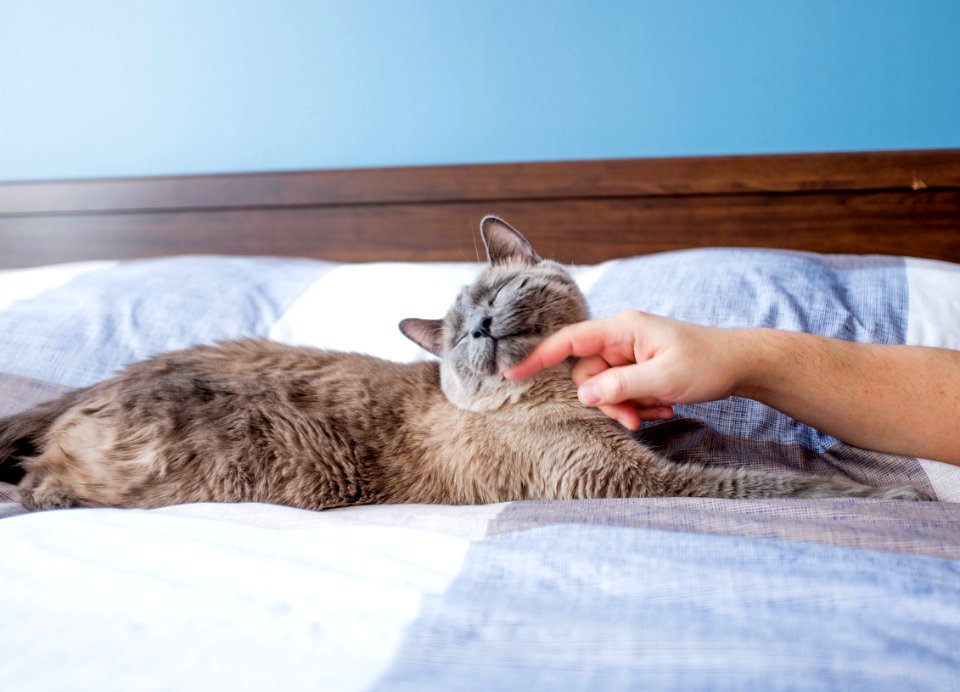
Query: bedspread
[[606, 595], [666, 593]]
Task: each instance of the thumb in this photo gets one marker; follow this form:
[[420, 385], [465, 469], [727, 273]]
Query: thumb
[[624, 383]]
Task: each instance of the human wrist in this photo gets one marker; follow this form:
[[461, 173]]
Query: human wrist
[[755, 361]]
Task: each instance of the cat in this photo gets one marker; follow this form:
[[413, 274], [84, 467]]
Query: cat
[[256, 421]]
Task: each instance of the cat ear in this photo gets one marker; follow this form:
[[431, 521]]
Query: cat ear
[[504, 242], [427, 333]]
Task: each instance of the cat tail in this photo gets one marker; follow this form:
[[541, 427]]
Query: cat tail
[[697, 480], [22, 433]]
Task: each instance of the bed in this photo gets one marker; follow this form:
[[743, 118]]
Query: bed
[[667, 593]]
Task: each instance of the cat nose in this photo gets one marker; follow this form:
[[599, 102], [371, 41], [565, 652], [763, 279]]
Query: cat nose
[[482, 327]]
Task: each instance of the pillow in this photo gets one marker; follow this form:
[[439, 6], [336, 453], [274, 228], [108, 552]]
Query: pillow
[[72, 325]]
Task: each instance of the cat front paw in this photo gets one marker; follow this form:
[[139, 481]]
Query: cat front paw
[[905, 492]]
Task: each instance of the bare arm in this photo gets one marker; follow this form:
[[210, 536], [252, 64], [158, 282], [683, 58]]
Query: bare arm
[[635, 366], [897, 399]]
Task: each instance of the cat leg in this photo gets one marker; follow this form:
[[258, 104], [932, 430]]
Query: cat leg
[[695, 480], [79, 464], [40, 489], [902, 492], [69, 469], [606, 464]]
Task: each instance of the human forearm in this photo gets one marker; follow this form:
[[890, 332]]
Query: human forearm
[[898, 399], [636, 366]]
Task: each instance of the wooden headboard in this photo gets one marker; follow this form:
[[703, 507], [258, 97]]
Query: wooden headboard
[[578, 212]]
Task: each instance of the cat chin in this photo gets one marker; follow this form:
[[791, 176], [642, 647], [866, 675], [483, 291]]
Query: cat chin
[[478, 392]]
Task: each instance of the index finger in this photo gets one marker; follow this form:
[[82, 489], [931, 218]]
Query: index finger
[[581, 339]]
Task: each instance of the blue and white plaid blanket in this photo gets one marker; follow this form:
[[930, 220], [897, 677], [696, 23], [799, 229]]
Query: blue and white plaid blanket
[[671, 593]]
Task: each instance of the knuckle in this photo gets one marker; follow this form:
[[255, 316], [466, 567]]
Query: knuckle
[[581, 372], [613, 387]]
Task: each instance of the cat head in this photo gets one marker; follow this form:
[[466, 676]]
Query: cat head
[[515, 302]]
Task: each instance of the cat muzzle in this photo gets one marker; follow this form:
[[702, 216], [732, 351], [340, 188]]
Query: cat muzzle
[[481, 328]]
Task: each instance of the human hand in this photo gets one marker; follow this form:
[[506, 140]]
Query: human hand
[[635, 366]]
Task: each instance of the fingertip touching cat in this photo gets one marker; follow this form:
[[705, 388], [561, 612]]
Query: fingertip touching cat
[[257, 421]]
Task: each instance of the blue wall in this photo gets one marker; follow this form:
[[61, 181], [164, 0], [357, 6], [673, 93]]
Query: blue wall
[[134, 87]]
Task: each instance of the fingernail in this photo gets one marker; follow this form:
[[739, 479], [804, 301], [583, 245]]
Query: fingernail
[[588, 394]]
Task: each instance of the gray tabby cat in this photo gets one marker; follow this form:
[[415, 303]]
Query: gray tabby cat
[[255, 421]]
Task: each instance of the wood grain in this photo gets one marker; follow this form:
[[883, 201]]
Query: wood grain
[[881, 202], [575, 231]]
